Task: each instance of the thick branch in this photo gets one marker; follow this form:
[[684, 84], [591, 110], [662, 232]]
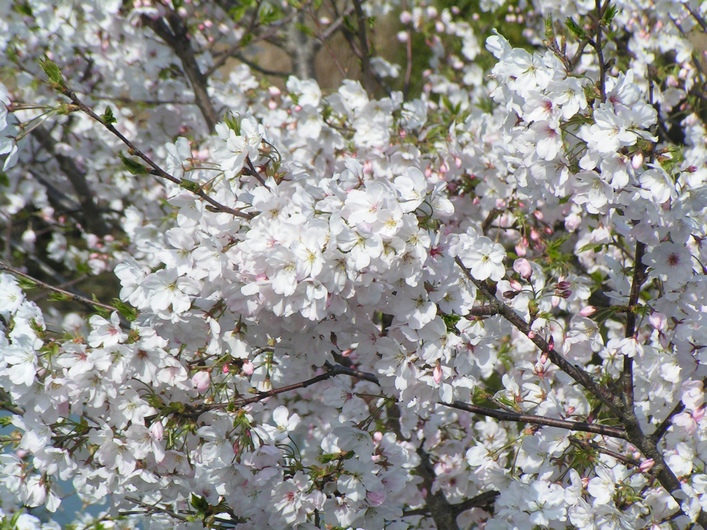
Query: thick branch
[[301, 48], [368, 75], [575, 372], [174, 33], [443, 513], [625, 415]]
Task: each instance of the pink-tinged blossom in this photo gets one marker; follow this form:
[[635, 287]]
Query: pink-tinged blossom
[[292, 501], [106, 333], [671, 263]]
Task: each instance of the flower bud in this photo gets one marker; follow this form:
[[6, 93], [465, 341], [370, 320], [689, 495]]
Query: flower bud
[[201, 381]]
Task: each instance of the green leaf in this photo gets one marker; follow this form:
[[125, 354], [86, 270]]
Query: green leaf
[[52, 70], [108, 117], [269, 14], [575, 28], [199, 503], [450, 321], [134, 167], [304, 29], [190, 185], [25, 283], [58, 297], [23, 8], [128, 311], [549, 30], [233, 123], [609, 14], [237, 13]]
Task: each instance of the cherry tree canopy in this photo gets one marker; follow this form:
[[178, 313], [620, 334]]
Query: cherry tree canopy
[[464, 288]]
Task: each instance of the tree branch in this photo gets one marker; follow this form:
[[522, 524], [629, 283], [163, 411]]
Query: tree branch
[[516, 417], [67, 294], [575, 372], [439, 508], [639, 276], [365, 56], [156, 170], [174, 33]]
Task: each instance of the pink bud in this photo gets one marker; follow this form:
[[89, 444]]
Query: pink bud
[[522, 266], [637, 160], [646, 465], [248, 368], [201, 381], [588, 310], [225, 369], [437, 374], [157, 430]]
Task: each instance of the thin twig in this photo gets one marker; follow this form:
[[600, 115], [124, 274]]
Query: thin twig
[[333, 370], [639, 276], [156, 170], [516, 417], [67, 294], [588, 444]]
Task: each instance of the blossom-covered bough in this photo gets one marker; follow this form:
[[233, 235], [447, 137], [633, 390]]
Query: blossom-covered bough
[[476, 301]]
